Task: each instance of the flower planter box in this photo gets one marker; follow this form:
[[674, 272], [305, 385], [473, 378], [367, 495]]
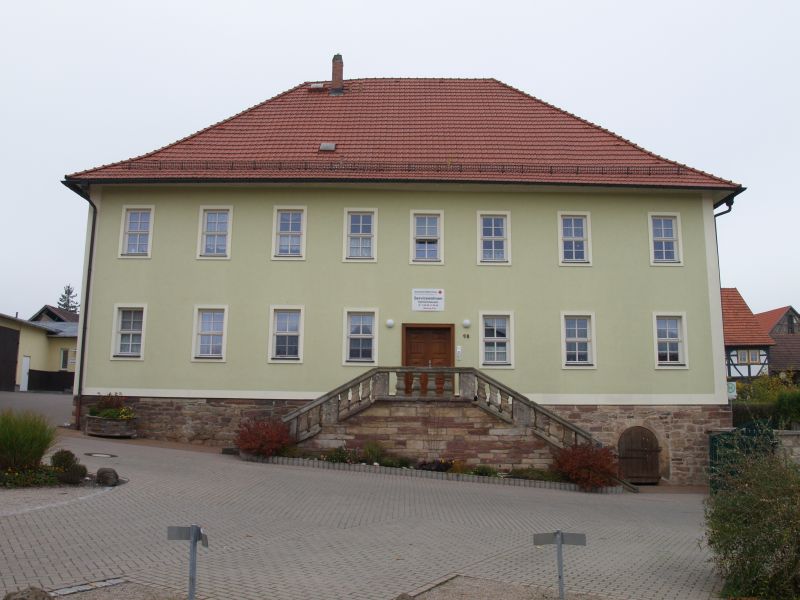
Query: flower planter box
[[102, 427]]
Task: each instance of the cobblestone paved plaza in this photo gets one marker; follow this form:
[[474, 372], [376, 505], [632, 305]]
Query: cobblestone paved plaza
[[285, 532]]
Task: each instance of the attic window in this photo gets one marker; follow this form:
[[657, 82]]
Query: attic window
[[327, 147]]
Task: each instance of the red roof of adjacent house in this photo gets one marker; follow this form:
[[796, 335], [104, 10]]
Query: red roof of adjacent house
[[741, 327], [66, 316], [767, 320], [444, 130]]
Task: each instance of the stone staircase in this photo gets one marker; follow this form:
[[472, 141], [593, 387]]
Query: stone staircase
[[436, 384]]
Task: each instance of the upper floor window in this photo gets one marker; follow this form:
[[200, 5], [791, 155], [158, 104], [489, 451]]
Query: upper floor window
[[215, 232], [360, 337], [493, 239], [496, 346], [427, 237], [137, 227], [210, 327], [289, 233], [574, 240], [286, 336], [128, 332], [665, 243], [360, 235], [578, 340], [748, 357], [670, 340]]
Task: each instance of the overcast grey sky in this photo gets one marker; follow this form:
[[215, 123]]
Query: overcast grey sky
[[715, 85]]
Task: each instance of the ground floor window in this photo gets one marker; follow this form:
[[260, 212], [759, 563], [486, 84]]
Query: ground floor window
[[286, 337], [360, 337], [496, 349]]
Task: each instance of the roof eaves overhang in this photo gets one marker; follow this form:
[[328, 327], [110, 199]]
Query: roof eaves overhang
[[81, 186]]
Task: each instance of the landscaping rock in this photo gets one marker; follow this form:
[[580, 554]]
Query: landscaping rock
[[107, 476], [31, 593]]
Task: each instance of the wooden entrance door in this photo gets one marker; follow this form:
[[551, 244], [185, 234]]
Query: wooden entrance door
[[9, 345], [428, 346], [638, 456]]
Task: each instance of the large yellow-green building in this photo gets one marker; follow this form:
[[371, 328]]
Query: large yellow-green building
[[353, 224]]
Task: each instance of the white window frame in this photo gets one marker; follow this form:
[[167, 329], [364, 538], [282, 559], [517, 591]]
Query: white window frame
[[271, 340], [123, 233], [346, 336], [346, 236], [303, 232], [511, 336], [678, 244], [412, 246], [115, 329], [579, 314], [683, 348], [201, 235], [196, 333], [587, 238], [62, 352], [507, 238]]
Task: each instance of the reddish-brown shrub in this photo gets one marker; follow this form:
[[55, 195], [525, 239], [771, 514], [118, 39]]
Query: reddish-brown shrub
[[588, 466], [263, 437]]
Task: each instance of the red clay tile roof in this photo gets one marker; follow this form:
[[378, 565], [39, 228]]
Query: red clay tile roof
[[65, 315], [459, 130], [767, 320], [741, 327]]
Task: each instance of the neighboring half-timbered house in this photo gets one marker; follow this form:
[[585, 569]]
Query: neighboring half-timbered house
[[783, 326], [746, 343]]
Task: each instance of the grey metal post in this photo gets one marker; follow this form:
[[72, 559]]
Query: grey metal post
[[195, 537], [559, 560]]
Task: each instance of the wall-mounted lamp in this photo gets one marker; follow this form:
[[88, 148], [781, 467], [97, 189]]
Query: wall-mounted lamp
[[466, 323], [389, 323]]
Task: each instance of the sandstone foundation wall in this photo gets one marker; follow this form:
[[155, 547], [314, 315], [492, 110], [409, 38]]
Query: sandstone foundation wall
[[427, 430], [213, 422], [681, 431]]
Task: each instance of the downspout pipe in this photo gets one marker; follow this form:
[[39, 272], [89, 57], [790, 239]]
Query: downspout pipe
[[83, 191], [729, 204]]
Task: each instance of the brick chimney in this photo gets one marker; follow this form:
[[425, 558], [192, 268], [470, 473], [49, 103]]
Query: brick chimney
[[337, 76]]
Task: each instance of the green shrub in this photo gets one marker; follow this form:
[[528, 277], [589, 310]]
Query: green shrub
[[484, 471], [587, 465], [389, 461], [293, 452], [36, 476], [537, 474], [752, 519], [24, 439], [764, 389], [342, 454], [72, 475], [373, 452], [787, 408], [63, 459]]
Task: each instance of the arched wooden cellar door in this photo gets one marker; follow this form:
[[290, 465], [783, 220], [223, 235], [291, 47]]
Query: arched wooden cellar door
[[638, 456]]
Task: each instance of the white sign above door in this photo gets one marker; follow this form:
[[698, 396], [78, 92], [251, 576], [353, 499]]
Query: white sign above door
[[427, 300]]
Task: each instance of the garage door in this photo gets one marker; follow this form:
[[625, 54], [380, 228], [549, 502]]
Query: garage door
[[9, 346]]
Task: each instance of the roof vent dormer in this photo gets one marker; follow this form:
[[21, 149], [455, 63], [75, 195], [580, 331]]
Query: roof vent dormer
[[337, 76]]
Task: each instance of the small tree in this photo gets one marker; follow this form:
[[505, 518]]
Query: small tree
[[67, 300], [752, 518]]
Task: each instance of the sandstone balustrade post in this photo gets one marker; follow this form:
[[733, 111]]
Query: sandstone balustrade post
[[380, 385], [521, 413], [330, 412], [467, 383]]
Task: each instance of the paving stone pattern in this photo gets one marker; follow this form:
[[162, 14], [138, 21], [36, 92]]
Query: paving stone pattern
[[285, 532]]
